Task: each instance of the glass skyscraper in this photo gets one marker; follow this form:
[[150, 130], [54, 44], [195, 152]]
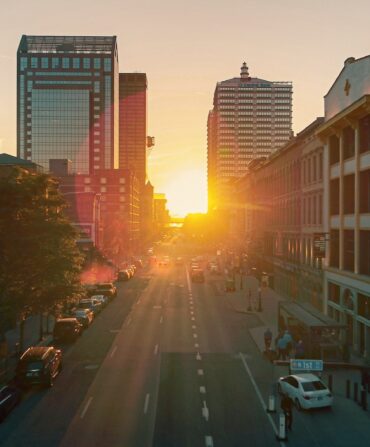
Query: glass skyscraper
[[67, 106]]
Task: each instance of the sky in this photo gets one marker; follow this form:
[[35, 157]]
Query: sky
[[186, 47]]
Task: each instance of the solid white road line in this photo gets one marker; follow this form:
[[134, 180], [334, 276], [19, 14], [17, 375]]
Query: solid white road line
[[200, 372], [113, 351], [259, 395], [156, 350], [209, 441], [202, 389], [146, 404], [86, 407], [198, 356]]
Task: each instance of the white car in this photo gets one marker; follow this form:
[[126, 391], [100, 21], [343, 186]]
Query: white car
[[306, 391], [101, 299]]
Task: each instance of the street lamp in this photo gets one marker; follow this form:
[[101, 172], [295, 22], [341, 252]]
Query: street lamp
[[259, 300]]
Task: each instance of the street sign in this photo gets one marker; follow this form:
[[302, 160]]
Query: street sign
[[306, 365]]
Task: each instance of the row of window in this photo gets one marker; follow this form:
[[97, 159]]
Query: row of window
[[348, 203], [75, 63], [348, 258]]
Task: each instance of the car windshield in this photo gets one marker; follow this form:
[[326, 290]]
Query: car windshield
[[36, 364], [315, 385]]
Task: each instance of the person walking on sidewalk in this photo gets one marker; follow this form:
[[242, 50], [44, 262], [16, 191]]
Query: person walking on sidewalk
[[286, 405], [267, 337]]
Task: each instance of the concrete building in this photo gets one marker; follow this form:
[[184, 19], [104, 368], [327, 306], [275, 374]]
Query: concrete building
[[160, 212], [346, 137], [67, 101], [119, 204], [251, 117]]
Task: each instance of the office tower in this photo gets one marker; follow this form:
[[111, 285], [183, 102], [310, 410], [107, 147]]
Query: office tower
[[251, 118], [133, 123], [67, 105]]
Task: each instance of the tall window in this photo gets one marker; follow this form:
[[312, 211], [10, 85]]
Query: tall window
[[349, 250], [334, 196], [76, 62], [65, 62], [348, 142], [44, 62], [97, 63], [349, 194], [364, 252], [365, 192], [107, 64], [364, 128], [86, 62], [320, 166], [55, 62], [334, 248], [34, 62], [333, 149]]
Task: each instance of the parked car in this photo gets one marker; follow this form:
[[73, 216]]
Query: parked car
[[39, 365], [197, 275], [89, 303], [123, 275], [67, 329], [105, 288], [84, 316], [9, 397], [230, 285], [306, 391], [102, 299]]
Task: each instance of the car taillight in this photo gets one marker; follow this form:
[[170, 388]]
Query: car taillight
[[307, 397]]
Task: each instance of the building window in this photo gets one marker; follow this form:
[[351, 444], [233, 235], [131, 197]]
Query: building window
[[55, 62], [107, 64], [314, 210], [314, 168], [348, 136], [334, 248], [122, 180], [65, 62], [87, 189], [334, 292], [364, 129], [87, 180], [364, 252], [96, 63], [96, 86], [23, 63], [334, 197], [76, 62], [122, 189], [349, 194], [34, 62], [103, 189], [320, 166], [365, 191], [103, 180], [86, 63], [349, 250], [44, 62], [363, 305], [320, 211], [333, 149]]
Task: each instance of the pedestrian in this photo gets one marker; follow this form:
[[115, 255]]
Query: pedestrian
[[286, 405], [289, 341], [267, 337], [282, 348]]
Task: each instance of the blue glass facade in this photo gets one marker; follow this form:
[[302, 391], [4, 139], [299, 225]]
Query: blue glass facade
[[66, 107]]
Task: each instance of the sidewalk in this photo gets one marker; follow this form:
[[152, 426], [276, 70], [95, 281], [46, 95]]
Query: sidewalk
[[31, 338]]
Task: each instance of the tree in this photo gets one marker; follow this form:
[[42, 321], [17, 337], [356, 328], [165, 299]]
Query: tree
[[39, 259]]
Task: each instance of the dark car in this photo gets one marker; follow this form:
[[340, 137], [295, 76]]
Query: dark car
[[197, 275], [84, 316], [39, 365], [105, 288], [9, 398], [67, 329], [123, 275], [90, 303]]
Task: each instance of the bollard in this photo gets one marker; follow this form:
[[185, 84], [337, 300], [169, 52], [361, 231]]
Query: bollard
[[364, 399], [271, 404], [355, 392], [330, 378], [281, 434], [348, 389]]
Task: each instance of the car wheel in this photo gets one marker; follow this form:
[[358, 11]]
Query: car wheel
[[298, 404]]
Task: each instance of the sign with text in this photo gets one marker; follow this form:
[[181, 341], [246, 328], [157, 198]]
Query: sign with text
[[306, 365], [319, 245]]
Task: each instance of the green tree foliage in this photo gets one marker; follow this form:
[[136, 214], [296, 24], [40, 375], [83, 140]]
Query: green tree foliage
[[39, 259]]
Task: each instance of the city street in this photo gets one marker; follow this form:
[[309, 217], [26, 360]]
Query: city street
[[170, 363]]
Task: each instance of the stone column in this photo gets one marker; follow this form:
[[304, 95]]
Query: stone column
[[341, 203]]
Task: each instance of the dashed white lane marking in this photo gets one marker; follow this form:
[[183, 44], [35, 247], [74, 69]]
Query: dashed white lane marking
[[198, 356], [193, 327], [113, 351], [196, 345], [161, 320], [86, 407], [205, 411], [192, 319], [209, 441], [192, 312], [202, 389], [155, 349], [242, 358], [200, 372], [195, 335], [146, 403]]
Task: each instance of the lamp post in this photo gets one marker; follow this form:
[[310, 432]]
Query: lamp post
[[250, 302], [259, 300]]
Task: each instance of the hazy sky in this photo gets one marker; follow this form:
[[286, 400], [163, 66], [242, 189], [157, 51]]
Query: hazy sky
[[185, 47]]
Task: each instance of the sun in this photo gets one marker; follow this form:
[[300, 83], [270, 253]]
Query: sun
[[187, 193]]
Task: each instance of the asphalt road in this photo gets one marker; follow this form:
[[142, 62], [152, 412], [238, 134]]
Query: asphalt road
[[167, 363]]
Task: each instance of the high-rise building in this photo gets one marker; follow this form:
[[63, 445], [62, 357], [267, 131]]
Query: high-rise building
[[251, 118], [133, 123], [67, 105]]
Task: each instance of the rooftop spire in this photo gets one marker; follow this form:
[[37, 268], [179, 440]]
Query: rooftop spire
[[244, 73]]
